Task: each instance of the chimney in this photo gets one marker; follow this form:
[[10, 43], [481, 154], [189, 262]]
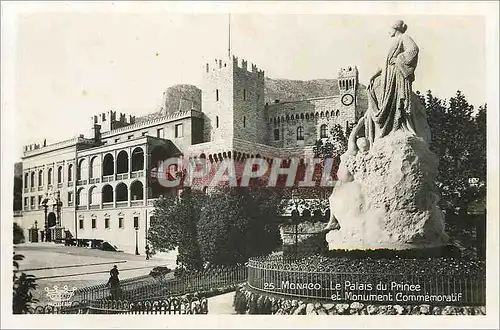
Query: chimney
[[96, 132]]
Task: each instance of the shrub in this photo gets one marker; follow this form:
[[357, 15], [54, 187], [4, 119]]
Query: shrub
[[237, 223], [23, 284], [240, 301], [18, 235], [174, 225]]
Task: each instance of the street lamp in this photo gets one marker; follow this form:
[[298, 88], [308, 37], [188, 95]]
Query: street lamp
[[136, 241], [45, 206], [58, 205]]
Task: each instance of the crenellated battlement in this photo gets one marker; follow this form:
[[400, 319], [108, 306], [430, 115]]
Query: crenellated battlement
[[216, 66], [348, 72], [110, 120], [348, 78], [241, 64], [31, 147], [35, 148], [247, 66], [113, 117]]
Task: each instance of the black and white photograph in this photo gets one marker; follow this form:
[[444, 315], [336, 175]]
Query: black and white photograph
[[240, 164]]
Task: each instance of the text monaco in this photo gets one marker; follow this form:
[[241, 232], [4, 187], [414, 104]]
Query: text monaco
[[354, 291], [174, 172], [347, 285]]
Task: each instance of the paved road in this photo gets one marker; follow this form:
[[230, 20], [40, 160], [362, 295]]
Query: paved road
[[222, 304], [55, 264]]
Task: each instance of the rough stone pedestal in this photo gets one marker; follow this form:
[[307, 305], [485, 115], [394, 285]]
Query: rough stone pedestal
[[392, 202]]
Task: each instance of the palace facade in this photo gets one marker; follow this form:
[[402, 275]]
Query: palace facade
[[99, 185]]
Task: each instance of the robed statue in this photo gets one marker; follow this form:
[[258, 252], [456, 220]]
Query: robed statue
[[386, 197], [392, 104]]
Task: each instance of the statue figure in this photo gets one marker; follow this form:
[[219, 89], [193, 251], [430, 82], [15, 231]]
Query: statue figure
[[355, 145], [392, 104], [385, 197]]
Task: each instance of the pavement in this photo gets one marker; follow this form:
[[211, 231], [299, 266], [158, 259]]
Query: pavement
[[222, 304], [56, 264]]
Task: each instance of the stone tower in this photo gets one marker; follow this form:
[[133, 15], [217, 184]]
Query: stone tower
[[233, 101], [348, 87]]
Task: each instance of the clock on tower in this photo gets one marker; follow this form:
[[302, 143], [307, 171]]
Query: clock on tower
[[347, 99]]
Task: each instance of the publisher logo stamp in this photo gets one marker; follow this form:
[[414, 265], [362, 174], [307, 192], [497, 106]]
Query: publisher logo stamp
[[60, 296]]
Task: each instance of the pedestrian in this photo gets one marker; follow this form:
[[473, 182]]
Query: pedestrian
[[147, 252], [114, 282], [114, 271]]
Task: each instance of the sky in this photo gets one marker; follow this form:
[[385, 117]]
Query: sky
[[72, 65]]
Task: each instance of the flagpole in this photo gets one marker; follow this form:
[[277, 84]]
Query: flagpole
[[229, 38]]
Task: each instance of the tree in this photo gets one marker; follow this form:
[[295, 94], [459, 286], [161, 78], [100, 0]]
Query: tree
[[334, 146], [478, 154], [18, 234], [23, 285], [238, 223], [18, 193], [174, 225], [459, 141]]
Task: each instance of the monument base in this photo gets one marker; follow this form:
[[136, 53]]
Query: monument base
[[391, 203]]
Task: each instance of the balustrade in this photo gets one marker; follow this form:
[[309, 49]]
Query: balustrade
[[137, 174], [136, 203], [122, 176], [107, 205], [122, 204], [108, 178]]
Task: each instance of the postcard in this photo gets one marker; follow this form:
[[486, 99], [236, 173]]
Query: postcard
[[240, 164]]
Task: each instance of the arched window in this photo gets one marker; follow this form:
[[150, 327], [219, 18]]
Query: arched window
[[322, 131], [49, 176], [300, 133], [94, 168], [81, 197], [26, 179], [82, 169], [32, 178], [70, 172], [59, 174], [40, 178]]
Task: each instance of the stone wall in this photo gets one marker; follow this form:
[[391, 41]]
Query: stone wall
[[248, 102], [310, 114], [247, 301], [217, 101]]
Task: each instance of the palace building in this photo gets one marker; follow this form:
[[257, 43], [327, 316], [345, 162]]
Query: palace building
[[99, 185]]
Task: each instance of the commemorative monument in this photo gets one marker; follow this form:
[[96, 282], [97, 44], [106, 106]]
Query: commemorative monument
[[386, 196]]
